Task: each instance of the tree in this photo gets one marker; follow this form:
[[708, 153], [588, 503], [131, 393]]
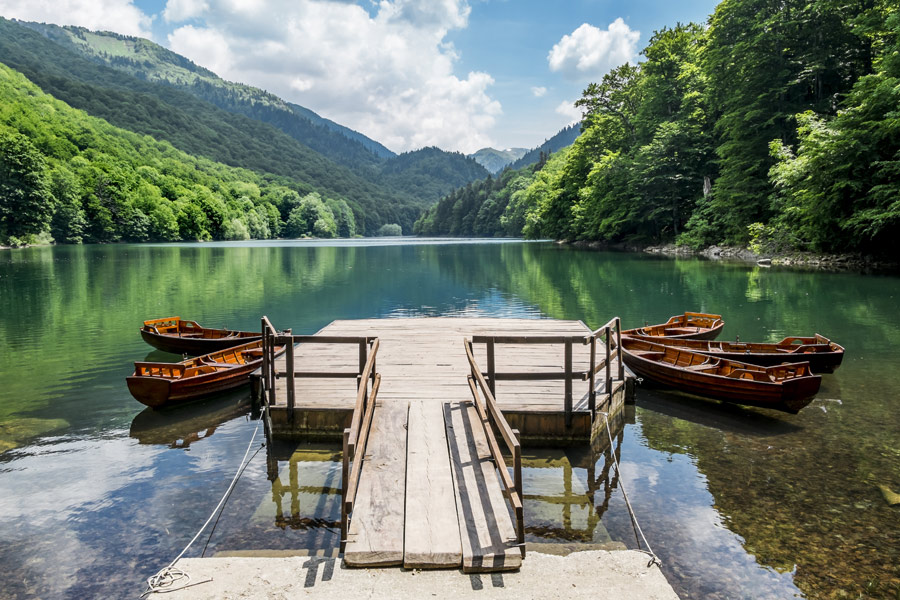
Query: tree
[[26, 202]]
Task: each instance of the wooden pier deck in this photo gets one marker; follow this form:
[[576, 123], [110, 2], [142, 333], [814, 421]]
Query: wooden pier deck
[[429, 492]]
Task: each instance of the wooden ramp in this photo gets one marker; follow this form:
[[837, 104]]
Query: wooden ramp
[[430, 494]]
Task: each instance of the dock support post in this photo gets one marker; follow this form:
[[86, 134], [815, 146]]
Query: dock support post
[[491, 367], [592, 392], [568, 404], [608, 366], [289, 360]]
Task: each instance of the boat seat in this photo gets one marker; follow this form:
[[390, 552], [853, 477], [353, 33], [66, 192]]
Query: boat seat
[[700, 367]]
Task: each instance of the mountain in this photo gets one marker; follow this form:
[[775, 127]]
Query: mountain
[[494, 160], [565, 137], [369, 159], [431, 172], [151, 62], [197, 127]]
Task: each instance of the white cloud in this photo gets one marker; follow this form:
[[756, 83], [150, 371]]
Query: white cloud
[[538, 91], [389, 74], [206, 47], [121, 16], [590, 52], [181, 10], [567, 109]]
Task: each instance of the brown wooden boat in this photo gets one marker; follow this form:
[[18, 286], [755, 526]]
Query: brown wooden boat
[[689, 326], [179, 336], [168, 384], [823, 355], [787, 387]]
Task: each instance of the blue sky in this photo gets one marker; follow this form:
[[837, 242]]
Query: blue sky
[[458, 74]]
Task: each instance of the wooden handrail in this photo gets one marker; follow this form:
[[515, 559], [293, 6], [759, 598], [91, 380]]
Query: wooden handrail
[[491, 417], [355, 438], [360, 407]]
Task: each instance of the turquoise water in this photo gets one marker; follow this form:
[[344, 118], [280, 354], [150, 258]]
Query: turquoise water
[[96, 493]]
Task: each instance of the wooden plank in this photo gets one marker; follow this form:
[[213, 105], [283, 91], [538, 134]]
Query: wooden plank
[[375, 536], [486, 529], [432, 527]]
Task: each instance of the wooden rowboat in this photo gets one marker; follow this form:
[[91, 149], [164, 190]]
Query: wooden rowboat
[[787, 387], [689, 326], [178, 336], [823, 355], [168, 384]]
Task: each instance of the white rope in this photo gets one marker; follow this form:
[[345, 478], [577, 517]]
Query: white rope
[[634, 522], [165, 579]]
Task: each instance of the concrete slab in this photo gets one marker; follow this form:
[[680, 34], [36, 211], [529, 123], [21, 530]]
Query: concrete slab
[[624, 575]]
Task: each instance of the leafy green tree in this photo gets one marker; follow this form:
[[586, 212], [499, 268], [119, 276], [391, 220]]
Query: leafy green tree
[[26, 202], [69, 221]]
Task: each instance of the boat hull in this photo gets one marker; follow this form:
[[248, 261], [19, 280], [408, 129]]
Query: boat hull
[[689, 326], [193, 346], [823, 355], [160, 385], [788, 395]]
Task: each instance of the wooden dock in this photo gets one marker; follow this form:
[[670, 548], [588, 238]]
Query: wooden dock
[[430, 487]]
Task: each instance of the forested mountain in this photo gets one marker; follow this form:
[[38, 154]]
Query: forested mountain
[[776, 125], [430, 172], [495, 160], [565, 137], [78, 178], [151, 62], [197, 127]]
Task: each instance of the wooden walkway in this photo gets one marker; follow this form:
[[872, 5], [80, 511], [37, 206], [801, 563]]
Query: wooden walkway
[[429, 494]]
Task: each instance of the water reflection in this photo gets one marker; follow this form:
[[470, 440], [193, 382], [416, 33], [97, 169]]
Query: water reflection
[[567, 492], [737, 501], [184, 425]]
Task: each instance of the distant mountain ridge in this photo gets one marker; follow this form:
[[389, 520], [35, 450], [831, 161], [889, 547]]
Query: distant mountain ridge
[[141, 86], [565, 137], [494, 160], [151, 62]]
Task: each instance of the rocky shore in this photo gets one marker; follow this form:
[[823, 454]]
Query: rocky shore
[[831, 262]]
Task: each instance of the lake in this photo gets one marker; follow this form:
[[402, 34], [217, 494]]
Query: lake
[[96, 493]]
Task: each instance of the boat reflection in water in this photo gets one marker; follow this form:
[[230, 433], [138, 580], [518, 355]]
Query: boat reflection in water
[[184, 425], [567, 491]]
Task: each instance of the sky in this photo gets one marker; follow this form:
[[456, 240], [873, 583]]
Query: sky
[[457, 74]]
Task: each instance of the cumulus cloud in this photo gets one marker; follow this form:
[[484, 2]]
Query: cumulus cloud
[[538, 91], [388, 73], [590, 52], [567, 109], [177, 11], [121, 16]]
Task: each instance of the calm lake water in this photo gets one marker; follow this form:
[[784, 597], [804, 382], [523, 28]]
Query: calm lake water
[[96, 493]]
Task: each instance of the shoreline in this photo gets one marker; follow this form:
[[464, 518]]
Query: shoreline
[[824, 262]]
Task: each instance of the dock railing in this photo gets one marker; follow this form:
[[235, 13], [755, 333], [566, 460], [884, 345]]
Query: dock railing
[[493, 420], [613, 327], [368, 381], [355, 438], [610, 331]]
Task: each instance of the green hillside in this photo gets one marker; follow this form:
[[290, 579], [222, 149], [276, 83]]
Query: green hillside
[[431, 173], [78, 178], [195, 126], [151, 62]]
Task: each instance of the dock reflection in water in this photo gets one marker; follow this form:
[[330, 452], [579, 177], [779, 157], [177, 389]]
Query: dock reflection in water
[[567, 492]]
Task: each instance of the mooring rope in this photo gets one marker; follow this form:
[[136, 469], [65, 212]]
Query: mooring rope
[[634, 522], [170, 578]]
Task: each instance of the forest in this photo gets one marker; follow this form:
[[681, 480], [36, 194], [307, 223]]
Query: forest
[[774, 125], [76, 178]]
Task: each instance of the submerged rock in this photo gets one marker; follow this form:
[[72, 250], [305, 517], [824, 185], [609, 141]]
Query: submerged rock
[[890, 496], [14, 433]]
